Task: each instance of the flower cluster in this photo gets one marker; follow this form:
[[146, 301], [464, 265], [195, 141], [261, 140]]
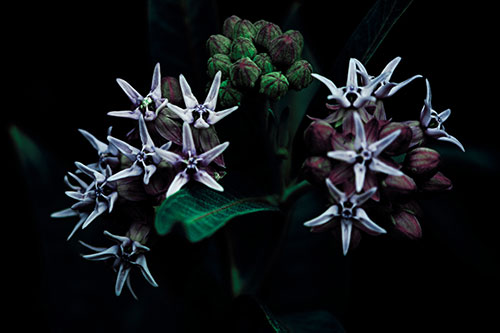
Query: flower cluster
[[257, 56], [167, 147], [372, 165]]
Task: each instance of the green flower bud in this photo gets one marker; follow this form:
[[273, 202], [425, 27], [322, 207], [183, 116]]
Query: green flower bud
[[242, 47], [244, 28], [284, 50], [297, 37], [259, 24], [218, 62], [228, 25], [263, 60], [244, 73], [228, 95], [218, 44], [273, 85], [171, 90], [299, 74], [266, 34]]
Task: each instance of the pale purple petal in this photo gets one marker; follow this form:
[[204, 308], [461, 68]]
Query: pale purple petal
[[390, 67], [214, 117], [359, 175], [400, 85], [77, 179], [425, 114], [362, 217], [95, 248], [379, 146], [185, 115], [91, 172], [453, 140], [135, 114], [101, 147], [116, 238], [346, 226], [337, 194], [169, 156], [179, 181], [124, 147], [444, 115], [359, 199], [187, 140], [75, 195], [156, 83], [133, 171], [143, 132], [121, 277], [348, 156], [379, 166], [208, 156], [352, 80], [102, 255], [68, 212], [129, 286], [336, 93], [435, 132], [201, 123], [325, 217], [77, 226], [132, 94], [188, 96], [360, 138], [141, 261], [211, 100], [111, 200], [149, 170], [203, 177], [100, 208]]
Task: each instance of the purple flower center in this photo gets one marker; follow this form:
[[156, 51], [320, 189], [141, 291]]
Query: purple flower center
[[140, 157], [202, 111]]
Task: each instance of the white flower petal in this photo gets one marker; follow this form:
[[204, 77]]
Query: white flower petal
[[141, 261], [68, 212], [156, 83], [149, 170], [336, 194], [188, 96], [425, 114], [100, 208], [336, 93], [101, 147], [359, 176], [325, 217], [131, 93], [444, 115], [359, 199], [187, 140], [133, 171], [453, 140], [203, 177], [144, 134], [208, 156], [346, 226], [126, 149], [362, 217], [360, 138], [179, 181], [379, 146], [379, 166], [201, 123], [211, 100], [111, 252], [214, 117], [185, 115], [169, 156], [121, 277]]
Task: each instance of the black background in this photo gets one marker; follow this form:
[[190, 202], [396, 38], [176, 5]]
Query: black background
[[65, 57]]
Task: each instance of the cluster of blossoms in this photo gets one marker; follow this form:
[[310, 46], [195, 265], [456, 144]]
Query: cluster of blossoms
[[373, 166], [257, 56], [168, 146]]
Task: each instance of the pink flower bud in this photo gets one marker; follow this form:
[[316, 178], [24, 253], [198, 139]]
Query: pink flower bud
[[402, 142], [422, 161], [438, 182], [317, 137], [316, 169], [399, 184], [407, 224]]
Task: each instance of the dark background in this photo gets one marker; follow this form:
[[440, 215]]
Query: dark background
[[65, 57]]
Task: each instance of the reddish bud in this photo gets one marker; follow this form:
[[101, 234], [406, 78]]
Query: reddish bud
[[266, 34], [438, 182], [218, 44], [316, 169], [228, 25], [407, 224], [402, 142], [422, 161], [417, 134], [399, 184], [284, 50], [317, 137], [171, 90]]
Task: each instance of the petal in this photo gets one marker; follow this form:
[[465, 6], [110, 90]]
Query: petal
[[336, 194], [325, 217], [378, 146], [359, 199], [121, 278], [149, 170], [179, 181], [348, 156], [156, 83], [124, 147], [91, 172], [129, 286], [402, 84], [125, 114], [111, 252], [77, 226], [359, 175], [169, 156], [346, 234], [208, 156], [214, 117], [111, 200], [100, 208], [75, 195], [203, 177], [336, 93], [94, 248], [188, 96], [444, 115], [187, 140], [453, 140], [81, 183], [185, 115], [425, 114], [143, 132], [132, 94], [360, 138], [134, 171], [201, 123], [379, 166], [141, 261], [68, 212], [389, 68], [362, 217], [116, 238], [352, 80], [211, 100], [101, 147]]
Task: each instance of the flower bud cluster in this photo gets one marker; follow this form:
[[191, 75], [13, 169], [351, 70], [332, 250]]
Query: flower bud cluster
[[357, 149], [258, 56]]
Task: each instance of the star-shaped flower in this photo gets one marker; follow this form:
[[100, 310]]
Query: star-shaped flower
[[126, 254], [366, 154], [387, 88], [432, 122], [148, 106], [108, 154], [352, 95], [201, 115], [347, 209], [93, 199], [144, 160], [191, 165]]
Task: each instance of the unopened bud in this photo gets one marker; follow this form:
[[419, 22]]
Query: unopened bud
[[228, 25], [402, 141], [259, 24], [218, 44], [244, 73], [273, 85], [218, 62], [266, 34], [422, 161], [417, 134], [297, 37], [438, 182], [318, 137], [242, 47], [407, 224], [399, 184], [284, 50], [244, 28], [171, 90], [316, 169], [263, 60], [139, 232], [299, 74], [229, 96]]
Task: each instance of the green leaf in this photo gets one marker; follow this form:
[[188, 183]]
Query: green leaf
[[202, 211]]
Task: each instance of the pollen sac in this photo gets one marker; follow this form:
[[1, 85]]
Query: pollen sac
[[422, 161], [242, 47], [318, 137], [299, 74], [284, 50], [228, 25], [266, 34], [244, 28], [218, 62], [218, 44], [402, 141], [263, 60], [244, 73], [171, 90], [273, 85], [229, 96]]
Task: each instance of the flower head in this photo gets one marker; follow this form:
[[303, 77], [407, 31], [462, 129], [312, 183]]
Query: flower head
[[432, 122], [126, 254], [147, 106], [201, 115], [365, 154], [190, 164], [347, 209], [144, 160]]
